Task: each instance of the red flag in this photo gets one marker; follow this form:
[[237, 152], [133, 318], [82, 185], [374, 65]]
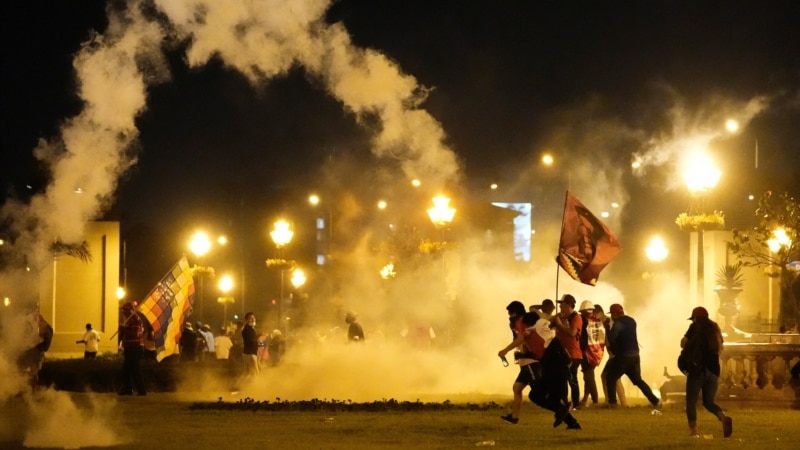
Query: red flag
[[587, 244]]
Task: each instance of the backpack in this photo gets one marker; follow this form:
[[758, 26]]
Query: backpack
[[690, 361]]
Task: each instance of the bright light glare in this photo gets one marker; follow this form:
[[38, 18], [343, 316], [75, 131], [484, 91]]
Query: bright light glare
[[313, 199], [416, 183], [120, 293], [282, 234], [779, 240], [441, 213], [200, 245], [226, 284], [382, 204], [604, 214], [732, 125], [700, 174], [222, 240], [547, 159], [493, 186], [656, 251], [298, 278]]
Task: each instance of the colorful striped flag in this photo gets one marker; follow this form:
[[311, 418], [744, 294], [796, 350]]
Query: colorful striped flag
[[587, 245], [166, 306]]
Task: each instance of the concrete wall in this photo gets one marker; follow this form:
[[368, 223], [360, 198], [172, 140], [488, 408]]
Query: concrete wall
[[73, 293]]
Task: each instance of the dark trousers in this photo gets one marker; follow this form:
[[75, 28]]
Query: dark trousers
[[629, 365], [549, 391], [708, 383], [574, 385], [132, 370]]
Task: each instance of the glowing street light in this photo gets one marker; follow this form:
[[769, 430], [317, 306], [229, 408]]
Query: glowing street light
[[701, 175], [779, 240], [225, 285], [298, 278], [281, 236], [732, 125], [200, 245], [656, 251], [441, 214], [282, 233]]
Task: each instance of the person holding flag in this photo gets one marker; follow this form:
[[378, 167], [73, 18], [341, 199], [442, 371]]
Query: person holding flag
[[131, 332]]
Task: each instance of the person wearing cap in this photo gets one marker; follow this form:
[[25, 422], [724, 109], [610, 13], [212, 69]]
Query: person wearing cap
[[607, 322], [592, 341], [516, 311], [704, 334], [550, 390], [623, 342], [568, 325], [131, 332]]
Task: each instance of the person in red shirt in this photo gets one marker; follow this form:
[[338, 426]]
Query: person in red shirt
[[568, 325], [131, 332]]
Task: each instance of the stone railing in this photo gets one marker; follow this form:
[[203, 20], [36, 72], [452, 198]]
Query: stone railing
[[757, 368]]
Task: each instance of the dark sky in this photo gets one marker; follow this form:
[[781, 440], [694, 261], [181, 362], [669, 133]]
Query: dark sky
[[509, 80]]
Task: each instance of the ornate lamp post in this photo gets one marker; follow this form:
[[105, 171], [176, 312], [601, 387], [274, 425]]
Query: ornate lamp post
[[442, 215], [779, 242], [225, 286], [700, 176], [200, 245], [281, 235]]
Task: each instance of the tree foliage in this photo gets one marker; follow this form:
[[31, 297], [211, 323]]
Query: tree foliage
[[752, 246]]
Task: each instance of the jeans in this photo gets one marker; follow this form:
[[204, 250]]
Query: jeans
[[708, 383]]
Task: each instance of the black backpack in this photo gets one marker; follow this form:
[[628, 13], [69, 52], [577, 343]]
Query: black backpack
[[690, 361]]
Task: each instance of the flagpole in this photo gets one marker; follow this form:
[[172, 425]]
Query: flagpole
[[558, 273]]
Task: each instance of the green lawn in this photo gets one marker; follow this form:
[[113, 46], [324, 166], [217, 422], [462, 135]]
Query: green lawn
[[174, 421]]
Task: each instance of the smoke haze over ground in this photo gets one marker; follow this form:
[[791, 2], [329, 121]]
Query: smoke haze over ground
[[269, 42]]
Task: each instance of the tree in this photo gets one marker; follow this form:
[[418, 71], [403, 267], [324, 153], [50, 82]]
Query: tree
[[772, 245]]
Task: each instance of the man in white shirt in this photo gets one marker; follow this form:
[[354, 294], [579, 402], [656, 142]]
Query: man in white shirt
[[222, 346], [91, 341]]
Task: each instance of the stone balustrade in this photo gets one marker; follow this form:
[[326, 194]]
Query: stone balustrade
[[756, 367]]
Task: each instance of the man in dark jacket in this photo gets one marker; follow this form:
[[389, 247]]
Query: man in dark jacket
[[250, 345], [623, 343]]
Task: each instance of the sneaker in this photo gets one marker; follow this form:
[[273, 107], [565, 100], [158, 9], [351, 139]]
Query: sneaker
[[727, 426], [574, 426], [561, 414], [509, 419], [693, 433]]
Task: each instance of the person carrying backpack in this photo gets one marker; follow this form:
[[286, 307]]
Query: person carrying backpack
[[699, 360]]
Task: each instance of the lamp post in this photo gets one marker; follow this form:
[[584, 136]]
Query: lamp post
[[281, 235], [700, 176], [200, 245], [442, 215], [225, 286], [780, 241]]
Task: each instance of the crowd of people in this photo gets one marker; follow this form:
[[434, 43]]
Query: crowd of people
[[550, 348]]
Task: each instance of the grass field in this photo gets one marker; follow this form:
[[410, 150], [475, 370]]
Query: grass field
[[52, 419]]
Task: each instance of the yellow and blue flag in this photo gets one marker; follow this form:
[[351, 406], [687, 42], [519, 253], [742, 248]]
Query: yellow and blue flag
[[166, 307]]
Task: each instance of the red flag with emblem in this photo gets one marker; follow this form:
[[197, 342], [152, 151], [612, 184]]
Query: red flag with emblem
[[587, 245]]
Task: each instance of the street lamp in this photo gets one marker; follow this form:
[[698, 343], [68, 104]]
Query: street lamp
[[656, 251], [779, 241], [441, 214], [225, 285], [281, 236], [200, 245], [700, 176]]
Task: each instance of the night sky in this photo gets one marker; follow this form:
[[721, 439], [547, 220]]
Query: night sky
[[594, 83]]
